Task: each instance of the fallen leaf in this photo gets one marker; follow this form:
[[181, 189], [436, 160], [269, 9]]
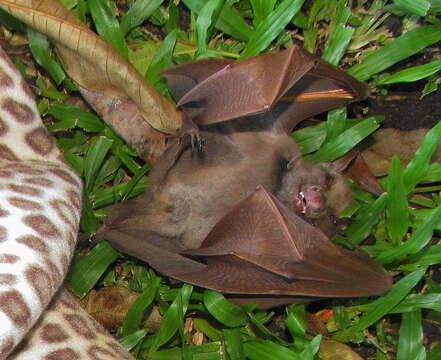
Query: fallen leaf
[[109, 305], [334, 350], [389, 142]]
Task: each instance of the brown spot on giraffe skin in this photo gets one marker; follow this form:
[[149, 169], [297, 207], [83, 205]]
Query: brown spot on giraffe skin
[[3, 234], [62, 354], [64, 175], [98, 353], [35, 243], [5, 80], [24, 204], [3, 127], [53, 333], [17, 166], [6, 59], [99, 328], [74, 198], [7, 346], [8, 258], [22, 113], [80, 326], [62, 159], [7, 154], [4, 174], [118, 350], [40, 141], [60, 208], [41, 282], [8, 279], [42, 225], [29, 171], [25, 190], [64, 262], [26, 89], [73, 240], [15, 308], [53, 271], [67, 301], [39, 181], [4, 213]]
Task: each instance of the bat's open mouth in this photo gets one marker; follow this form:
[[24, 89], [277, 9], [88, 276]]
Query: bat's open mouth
[[310, 202]]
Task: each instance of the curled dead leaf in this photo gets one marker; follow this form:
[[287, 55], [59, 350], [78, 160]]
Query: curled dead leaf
[[109, 305], [334, 350], [389, 142]]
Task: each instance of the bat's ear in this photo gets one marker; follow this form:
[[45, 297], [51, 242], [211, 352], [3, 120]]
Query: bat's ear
[[341, 164], [353, 166]]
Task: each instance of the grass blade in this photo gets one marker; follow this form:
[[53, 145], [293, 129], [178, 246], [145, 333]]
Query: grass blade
[[418, 167], [162, 60], [271, 27], [345, 141], [310, 138], [71, 117], [410, 342], [264, 349], [42, 52], [416, 242], [140, 11], [107, 25], [204, 24], [426, 257], [234, 344], [419, 301], [85, 273], [397, 212], [411, 74], [95, 155], [261, 9], [171, 321], [383, 305], [224, 311], [396, 50], [134, 316], [415, 7], [367, 218], [230, 22]]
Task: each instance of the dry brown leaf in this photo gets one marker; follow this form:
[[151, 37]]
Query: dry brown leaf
[[334, 350], [125, 118], [390, 142], [316, 325], [109, 305], [84, 53]]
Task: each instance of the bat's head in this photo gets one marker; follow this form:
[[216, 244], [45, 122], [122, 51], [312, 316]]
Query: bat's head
[[316, 192]]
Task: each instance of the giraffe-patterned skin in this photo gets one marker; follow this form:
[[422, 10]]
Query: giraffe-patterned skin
[[40, 205]]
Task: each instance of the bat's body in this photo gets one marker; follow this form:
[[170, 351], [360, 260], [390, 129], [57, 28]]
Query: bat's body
[[217, 204]]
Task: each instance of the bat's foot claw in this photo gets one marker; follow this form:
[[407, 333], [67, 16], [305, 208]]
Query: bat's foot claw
[[198, 143], [191, 131]]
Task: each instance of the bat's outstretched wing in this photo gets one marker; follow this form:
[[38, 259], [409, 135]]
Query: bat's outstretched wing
[[261, 247], [215, 90]]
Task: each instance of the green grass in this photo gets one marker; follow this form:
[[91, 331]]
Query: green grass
[[401, 237]]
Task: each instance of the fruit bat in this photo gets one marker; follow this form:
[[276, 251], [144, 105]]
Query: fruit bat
[[248, 215]]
